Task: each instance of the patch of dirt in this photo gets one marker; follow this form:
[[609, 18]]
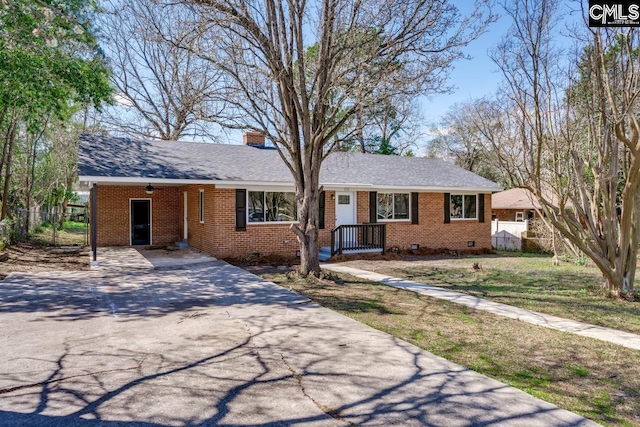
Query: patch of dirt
[[444, 259], [269, 264], [27, 257], [268, 269], [448, 252], [278, 264], [392, 256], [395, 254]]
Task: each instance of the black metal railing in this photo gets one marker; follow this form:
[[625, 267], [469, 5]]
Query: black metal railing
[[358, 237]]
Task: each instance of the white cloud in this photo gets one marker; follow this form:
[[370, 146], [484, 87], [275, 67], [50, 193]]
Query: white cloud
[[122, 99]]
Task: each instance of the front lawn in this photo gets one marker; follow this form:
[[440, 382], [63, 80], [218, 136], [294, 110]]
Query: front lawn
[[72, 233], [598, 380], [523, 280]]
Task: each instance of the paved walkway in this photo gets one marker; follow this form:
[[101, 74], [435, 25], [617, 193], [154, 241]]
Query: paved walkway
[[128, 258], [211, 344], [614, 336], [161, 258]]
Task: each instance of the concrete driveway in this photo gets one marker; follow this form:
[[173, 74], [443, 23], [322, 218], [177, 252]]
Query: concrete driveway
[[211, 344]]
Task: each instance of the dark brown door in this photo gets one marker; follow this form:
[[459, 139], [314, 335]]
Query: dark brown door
[[141, 222]]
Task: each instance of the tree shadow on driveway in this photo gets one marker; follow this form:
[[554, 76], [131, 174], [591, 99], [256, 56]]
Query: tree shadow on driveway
[[78, 295], [214, 345]]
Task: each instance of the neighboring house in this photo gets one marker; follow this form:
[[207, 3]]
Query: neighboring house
[[516, 204], [512, 211], [235, 200]]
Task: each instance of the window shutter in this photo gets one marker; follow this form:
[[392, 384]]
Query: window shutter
[[373, 206], [321, 213], [447, 208], [241, 209], [414, 208], [480, 207]]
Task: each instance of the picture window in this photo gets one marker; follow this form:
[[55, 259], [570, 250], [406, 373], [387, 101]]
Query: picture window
[[393, 206], [464, 206], [272, 206]]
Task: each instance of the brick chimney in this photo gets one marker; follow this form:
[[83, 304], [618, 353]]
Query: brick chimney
[[253, 139]]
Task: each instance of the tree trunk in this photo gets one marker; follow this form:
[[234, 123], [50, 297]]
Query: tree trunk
[[30, 181], [307, 230], [309, 263], [7, 175], [621, 281], [3, 159], [62, 208]]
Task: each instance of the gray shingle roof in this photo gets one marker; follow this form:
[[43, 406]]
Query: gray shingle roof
[[114, 157]]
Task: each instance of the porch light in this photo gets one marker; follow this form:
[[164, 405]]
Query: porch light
[[149, 189]]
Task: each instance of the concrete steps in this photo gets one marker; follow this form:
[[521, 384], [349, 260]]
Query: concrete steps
[[324, 254]]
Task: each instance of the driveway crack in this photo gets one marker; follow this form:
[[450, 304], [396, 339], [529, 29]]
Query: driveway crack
[[333, 413], [109, 371]]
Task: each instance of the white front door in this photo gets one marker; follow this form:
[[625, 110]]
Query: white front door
[[186, 234], [346, 215], [345, 208]]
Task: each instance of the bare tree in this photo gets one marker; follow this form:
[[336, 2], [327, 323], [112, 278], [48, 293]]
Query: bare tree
[[578, 134], [299, 71], [460, 136], [390, 128], [163, 90]]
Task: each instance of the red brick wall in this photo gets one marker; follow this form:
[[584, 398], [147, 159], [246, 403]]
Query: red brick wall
[[114, 214], [362, 206], [217, 235], [329, 218], [431, 231]]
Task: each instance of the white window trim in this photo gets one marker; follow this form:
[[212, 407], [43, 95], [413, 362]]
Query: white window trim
[[464, 219], [273, 223], [201, 205], [393, 207], [150, 219], [269, 190]]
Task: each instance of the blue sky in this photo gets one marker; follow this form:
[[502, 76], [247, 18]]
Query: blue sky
[[472, 78], [479, 76]]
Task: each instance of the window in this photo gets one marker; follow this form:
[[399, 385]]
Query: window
[[463, 206], [272, 206], [393, 206], [201, 206], [344, 199]]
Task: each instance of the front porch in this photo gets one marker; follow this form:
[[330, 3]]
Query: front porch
[[355, 239]]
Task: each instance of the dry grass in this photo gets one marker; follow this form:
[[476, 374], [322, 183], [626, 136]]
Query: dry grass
[[527, 280], [27, 257], [598, 380]]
